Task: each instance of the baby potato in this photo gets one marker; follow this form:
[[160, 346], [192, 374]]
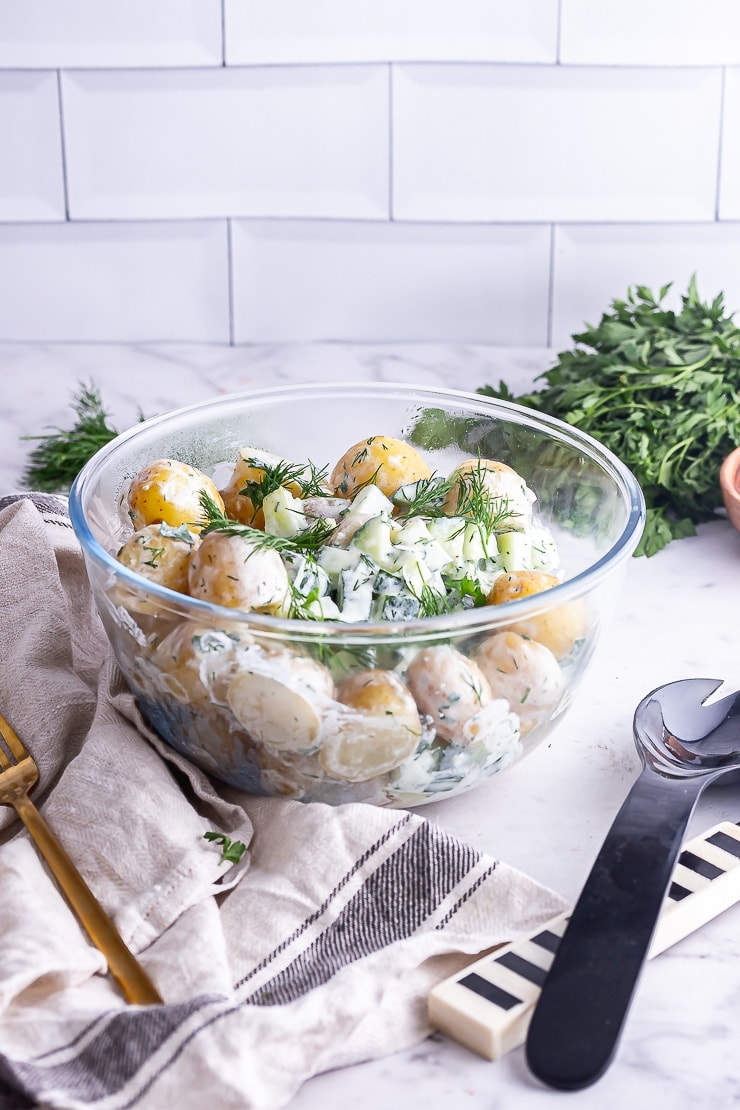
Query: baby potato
[[196, 662], [520, 583], [162, 558], [379, 692], [168, 491], [381, 732], [251, 469], [383, 461], [558, 629], [510, 497], [448, 687], [233, 571], [278, 699], [523, 672], [362, 746]]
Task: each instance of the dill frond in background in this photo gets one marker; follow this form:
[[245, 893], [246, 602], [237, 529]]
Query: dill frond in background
[[59, 456]]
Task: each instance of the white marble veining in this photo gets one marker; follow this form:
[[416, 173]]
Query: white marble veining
[[547, 815]]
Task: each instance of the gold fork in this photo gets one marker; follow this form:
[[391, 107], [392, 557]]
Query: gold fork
[[18, 773]]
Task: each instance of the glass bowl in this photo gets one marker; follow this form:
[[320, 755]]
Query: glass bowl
[[255, 699]]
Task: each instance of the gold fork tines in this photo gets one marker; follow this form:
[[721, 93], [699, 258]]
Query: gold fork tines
[[18, 773]]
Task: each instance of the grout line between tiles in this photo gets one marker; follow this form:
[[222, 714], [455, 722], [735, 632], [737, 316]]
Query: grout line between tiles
[[391, 198], [550, 288], [230, 267], [223, 32], [63, 144], [720, 144]]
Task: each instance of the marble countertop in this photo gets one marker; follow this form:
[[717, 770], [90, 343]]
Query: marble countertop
[[547, 815]]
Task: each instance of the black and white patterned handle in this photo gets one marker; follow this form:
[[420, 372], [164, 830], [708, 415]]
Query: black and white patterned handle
[[487, 1006]]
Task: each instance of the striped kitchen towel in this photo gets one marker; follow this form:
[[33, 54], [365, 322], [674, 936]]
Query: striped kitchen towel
[[315, 951]]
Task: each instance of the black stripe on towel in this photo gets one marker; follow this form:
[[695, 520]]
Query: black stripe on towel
[[390, 906]]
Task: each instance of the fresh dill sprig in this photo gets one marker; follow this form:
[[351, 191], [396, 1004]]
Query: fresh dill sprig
[[475, 501], [432, 603], [215, 520], [56, 461], [309, 479], [427, 499]]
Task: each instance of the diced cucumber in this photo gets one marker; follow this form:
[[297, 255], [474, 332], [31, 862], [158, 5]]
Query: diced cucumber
[[388, 585], [355, 596], [417, 574], [473, 542], [334, 560], [449, 531], [306, 575], [413, 531], [324, 609], [414, 541], [401, 608], [374, 539], [371, 501], [284, 514], [407, 494], [515, 549]]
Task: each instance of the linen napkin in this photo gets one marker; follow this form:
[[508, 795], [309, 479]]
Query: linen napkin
[[316, 950]]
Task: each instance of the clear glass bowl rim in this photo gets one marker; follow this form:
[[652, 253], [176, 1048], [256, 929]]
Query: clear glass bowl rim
[[460, 623]]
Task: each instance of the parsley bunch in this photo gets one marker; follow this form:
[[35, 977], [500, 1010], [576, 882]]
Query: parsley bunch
[[661, 389]]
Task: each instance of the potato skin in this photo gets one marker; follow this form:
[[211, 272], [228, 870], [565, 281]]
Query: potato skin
[[167, 491], [383, 461], [522, 671], [239, 506], [379, 692], [253, 465], [161, 559], [448, 687], [559, 628], [197, 662], [520, 583], [232, 571]]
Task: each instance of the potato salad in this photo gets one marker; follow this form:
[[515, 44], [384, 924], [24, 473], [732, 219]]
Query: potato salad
[[379, 537]]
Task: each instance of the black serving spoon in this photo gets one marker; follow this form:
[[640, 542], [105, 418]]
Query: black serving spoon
[[684, 745]]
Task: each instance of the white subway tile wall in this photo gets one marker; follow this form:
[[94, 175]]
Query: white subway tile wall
[[554, 143], [334, 280], [259, 31], [31, 175], [93, 33], [593, 262], [238, 171], [266, 141], [650, 32], [117, 282], [729, 192]]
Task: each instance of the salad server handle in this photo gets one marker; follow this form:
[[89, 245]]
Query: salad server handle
[[581, 1011]]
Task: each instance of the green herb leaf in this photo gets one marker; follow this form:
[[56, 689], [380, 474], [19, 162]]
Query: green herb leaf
[[181, 532], [659, 388], [231, 850]]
